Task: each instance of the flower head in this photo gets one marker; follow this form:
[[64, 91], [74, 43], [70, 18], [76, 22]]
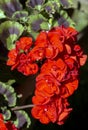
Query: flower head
[[56, 110], [19, 57]]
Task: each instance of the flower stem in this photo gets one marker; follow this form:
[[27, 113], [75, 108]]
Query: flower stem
[[22, 107]]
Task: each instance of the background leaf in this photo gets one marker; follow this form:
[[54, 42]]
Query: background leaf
[[35, 21], [9, 94], [10, 32], [20, 16], [22, 118], [80, 14], [6, 113], [10, 6], [2, 15], [33, 3]]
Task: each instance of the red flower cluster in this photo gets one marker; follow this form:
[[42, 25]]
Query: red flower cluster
[[55, 110], [19, 57], [53, 85], [59, 73], [6, 125]]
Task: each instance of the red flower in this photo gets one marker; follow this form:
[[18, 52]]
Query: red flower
[[75, 52], [80, 56], [73, 70], [61, 70], [2, 125], [47, 85], [6, 125], [28, 68], [54, 40], [40, 99], [55, 46], [13, 59], [1, 117], [25, 66], [19, 57], [45, 113], [10, 126], [41, 40], [67, 34], [52, 89], [58, 43], [24, 44], [50, 43], [67, 89], [37, 53], [54, 111], [57, 77]]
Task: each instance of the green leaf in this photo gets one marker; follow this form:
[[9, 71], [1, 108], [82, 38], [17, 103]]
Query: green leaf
[[9, 94], [10, 31], [33, 17], [34, 24], [51, 7], [66, 3], [80, 15], [66, 19], [54, 23], [20, 15], [33, 3], [2, 15], [84, 6], [45, 26], [22, 118], [6, 113], [10, 6], [10, 40], [10, 82], [35, 21], [34, 34], [81, 20]]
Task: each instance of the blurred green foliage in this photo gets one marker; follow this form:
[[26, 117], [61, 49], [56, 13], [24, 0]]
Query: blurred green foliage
[[80, 14]]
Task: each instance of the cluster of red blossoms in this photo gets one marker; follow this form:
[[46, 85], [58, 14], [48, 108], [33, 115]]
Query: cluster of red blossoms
[[59, 73], [19, 57], [6, 125]]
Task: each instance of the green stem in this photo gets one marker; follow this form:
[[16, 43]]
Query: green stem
[[22, 107]]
